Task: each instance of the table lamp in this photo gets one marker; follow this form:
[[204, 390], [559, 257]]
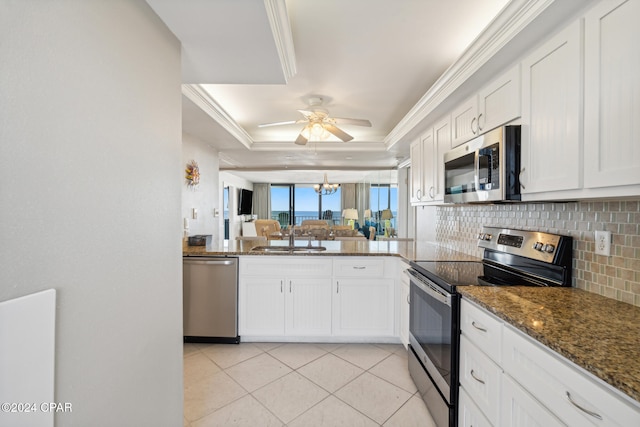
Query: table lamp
[[351, 215]]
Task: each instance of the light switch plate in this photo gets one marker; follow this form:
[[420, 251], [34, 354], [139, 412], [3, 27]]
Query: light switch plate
[[603, 243]]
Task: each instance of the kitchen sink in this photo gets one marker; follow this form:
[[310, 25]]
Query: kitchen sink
[[289, 248]]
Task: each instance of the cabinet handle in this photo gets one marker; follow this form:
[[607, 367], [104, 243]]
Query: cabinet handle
[[359, 268], [289, 286], [473, 131], [281, 284], [520, 178], [418, 194], [431, 193], [586, 411], [409, 299], [480, 328], [476, 378], [479, 127], [337, 286]]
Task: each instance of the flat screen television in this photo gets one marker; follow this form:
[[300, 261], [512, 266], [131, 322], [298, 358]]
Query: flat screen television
[[245, 202]]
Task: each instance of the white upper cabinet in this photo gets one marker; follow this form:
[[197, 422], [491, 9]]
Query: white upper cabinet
[[428, 161], [416, 172], [612, 95], [496, 104], [551, 82], [427, 164], [464, 124], [499, 101], [442, 144]]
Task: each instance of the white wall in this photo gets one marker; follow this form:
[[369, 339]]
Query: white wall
[[90, 183], [207, 195]]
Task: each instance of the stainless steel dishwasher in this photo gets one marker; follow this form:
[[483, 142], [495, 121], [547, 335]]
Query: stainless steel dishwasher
[[210, 299]]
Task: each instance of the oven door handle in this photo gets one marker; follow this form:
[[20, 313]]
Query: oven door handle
[[431, 289]]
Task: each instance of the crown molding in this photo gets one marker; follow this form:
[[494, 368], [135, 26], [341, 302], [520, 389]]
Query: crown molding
[[281, 29], [511, 21], [206, 103]]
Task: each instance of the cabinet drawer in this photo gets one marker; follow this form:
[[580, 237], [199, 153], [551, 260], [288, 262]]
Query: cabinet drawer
[[563, 387], [519, 408], [484, 330], [285, 266], [359, 267], [480, 378], [469, 415]]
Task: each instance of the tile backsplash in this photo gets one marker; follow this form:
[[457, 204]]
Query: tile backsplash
[[616, 276]]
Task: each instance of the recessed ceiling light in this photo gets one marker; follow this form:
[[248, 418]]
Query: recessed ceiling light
[[348, 158]]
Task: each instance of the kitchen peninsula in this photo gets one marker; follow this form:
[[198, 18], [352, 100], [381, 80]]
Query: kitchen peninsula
[[322, 296], [408, 250]]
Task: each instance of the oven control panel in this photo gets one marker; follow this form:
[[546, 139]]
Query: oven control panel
[[531, 244]]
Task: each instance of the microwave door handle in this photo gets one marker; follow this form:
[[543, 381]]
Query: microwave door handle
[[476, 167]]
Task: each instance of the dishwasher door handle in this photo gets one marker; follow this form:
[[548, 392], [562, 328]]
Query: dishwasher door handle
[[209, 262]]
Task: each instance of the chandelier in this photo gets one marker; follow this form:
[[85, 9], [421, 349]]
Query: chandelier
[[325, 189]]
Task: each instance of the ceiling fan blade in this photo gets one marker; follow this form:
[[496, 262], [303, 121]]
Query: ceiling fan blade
[[301, 140], [338, 132], [356, 122], [289, 122]]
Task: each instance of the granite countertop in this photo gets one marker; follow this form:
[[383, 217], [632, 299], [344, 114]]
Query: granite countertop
[[409, 250], [599, 334]]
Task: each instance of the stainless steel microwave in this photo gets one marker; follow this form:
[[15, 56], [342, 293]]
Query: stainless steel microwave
[[485, 169]]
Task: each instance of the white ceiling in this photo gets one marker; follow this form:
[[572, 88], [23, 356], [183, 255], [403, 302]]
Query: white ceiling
[[258, 61]]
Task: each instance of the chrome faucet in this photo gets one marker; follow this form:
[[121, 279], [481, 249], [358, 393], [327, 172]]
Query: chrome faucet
[[292, 236]]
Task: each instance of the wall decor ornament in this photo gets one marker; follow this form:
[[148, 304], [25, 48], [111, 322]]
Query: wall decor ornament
[[192, 174]]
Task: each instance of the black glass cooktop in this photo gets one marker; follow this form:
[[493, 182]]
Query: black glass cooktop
[[449, 274]]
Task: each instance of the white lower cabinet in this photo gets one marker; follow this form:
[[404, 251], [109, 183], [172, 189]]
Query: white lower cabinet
[[316, 298], [404, 303], [480, 378], [469, 415], [519, 408], [281, 296], [531, 385], [261, 306], [576, 398], [363, 307]]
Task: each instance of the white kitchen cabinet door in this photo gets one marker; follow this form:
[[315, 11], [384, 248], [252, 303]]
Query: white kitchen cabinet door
[[428, 153], [403, 305], [363, 307], [416, 172], [519, 408], [308, 306], [464, 121], [429, 178], [551, 82], [499, 102], [442, 144], [496, 104], [261, 308], [612, 94]]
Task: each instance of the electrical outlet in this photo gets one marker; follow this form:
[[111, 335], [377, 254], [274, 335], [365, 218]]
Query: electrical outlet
[[603, 243]]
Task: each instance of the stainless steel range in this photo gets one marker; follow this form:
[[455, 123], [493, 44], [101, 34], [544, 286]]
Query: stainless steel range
[[511, 257]]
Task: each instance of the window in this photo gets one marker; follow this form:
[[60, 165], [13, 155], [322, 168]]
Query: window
[[383, 197], [291, 204]]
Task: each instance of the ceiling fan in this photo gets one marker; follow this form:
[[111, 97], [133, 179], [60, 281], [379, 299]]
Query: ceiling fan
[[319, 125]]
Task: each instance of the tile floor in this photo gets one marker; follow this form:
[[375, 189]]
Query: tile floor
[[300, 385]]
